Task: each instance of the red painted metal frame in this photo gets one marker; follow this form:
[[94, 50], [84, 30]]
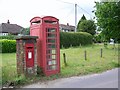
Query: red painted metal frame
[[38, 28]]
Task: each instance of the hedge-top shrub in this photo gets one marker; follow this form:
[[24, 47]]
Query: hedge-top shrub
[[8, 46], [75, 39]]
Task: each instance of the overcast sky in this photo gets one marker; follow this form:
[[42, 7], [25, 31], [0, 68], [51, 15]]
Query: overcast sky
[[21, 11]]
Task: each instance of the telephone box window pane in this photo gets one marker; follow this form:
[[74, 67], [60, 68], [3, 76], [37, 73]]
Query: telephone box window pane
[[49, 57], [53, 61], [51, 35], [50, 22], [51, 46], [53, 56], [37, 22], [48, 68], [51, 40], [52, 67], [51, 51], [48, 51], [51, 30], [49, 62], [29, 55]]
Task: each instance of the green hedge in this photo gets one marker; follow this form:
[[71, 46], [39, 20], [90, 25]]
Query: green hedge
[[7, 46], [10, 37], [75, 39], [66, 40]]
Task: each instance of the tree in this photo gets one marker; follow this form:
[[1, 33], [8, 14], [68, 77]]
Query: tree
[[87, 26], [25, 31], [82, 18], [108, 19]]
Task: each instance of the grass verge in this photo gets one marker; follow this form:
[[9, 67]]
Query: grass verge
[[76, 64]]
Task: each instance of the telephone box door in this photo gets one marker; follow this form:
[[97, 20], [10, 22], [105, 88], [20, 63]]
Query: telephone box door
[[29, 55], [51, 47]]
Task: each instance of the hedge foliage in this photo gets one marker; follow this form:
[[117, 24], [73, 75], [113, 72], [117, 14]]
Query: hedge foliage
[[7, 46], [10, 37], [68, 39]]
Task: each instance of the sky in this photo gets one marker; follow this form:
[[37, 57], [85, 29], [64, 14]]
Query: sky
[[22, 11]]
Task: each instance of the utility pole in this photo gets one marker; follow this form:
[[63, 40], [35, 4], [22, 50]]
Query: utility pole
[[75, 17]]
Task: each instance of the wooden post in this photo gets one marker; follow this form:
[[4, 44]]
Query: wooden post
[[64, 58], [80, 45], [101, 52], [62, 46], [71, 46], [85, 54]]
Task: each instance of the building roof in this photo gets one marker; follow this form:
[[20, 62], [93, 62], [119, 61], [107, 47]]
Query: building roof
[[67, 27], [10, 28]]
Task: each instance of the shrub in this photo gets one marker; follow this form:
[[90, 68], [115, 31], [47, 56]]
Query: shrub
[[98, 38], [8, 46], [11, 37], [66, 40], [75, 39]]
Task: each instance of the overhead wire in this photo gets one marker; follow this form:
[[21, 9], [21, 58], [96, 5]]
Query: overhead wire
[[77, 6], [85, 11], [69, 13], [64, 2], [61, 9]]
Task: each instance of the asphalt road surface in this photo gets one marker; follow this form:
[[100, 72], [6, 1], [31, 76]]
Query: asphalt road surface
[[108, 79]]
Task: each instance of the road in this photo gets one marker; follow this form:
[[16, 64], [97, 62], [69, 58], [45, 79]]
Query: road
[[108, 79]]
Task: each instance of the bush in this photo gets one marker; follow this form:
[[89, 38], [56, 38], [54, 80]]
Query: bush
[[8, 46], [97, 39], [11, 37], [75, 39], [66, 40]]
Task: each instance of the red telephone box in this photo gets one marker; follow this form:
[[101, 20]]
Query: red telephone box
[[48, 48]]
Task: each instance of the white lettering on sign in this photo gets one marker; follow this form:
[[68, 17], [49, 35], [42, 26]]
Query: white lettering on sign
[[29, 55]]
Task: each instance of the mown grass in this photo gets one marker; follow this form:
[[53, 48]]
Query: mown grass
[[76, 64]]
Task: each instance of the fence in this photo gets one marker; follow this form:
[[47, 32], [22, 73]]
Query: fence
[[90, 54]]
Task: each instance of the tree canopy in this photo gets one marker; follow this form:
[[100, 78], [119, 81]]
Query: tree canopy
[[25, 31], [82, 18], [108, 19], [87, 26]]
